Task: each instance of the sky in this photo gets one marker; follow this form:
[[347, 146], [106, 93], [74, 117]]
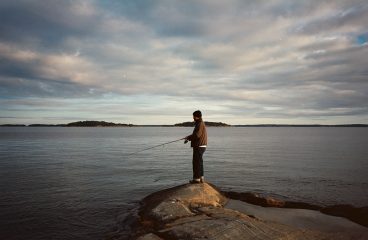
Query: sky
[[155, 62]]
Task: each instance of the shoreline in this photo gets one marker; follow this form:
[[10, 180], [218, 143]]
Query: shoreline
[[185, 124], [232, 126]]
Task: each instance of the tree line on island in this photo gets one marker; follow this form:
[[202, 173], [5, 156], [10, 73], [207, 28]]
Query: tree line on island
[[97, 124]]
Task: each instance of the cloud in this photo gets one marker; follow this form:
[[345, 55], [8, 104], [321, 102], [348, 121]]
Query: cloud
[[46, 23], [240, 60], [346, 19]]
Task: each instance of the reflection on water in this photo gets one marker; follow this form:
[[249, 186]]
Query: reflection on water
[[71, 183]]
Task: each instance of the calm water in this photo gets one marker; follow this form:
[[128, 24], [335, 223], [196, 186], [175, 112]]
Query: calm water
[[72, 183]]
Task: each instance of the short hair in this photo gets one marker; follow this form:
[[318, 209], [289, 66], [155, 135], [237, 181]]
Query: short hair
[[197, 114]]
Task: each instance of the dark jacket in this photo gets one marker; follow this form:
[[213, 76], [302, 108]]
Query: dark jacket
[[199, 135]]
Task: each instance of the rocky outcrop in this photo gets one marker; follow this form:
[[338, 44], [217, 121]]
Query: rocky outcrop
[[355, 214], [196, 211]]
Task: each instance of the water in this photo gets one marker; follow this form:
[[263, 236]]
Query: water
[[72, 183]]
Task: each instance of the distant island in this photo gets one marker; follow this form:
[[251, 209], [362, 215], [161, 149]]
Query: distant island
[[13, 125], [183, 124], [210, 124], [74, 124], [97, 124]]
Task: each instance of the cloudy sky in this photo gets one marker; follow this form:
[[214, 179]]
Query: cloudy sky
[[155, 62]]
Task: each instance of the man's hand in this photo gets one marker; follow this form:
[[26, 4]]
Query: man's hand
[[187, 138]]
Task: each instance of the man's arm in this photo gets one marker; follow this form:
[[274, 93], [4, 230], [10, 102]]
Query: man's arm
[[188, 138], [198, 131]]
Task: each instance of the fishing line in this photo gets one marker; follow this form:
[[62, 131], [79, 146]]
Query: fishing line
[[154, 146]]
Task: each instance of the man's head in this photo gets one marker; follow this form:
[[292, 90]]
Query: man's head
[[197, 115]]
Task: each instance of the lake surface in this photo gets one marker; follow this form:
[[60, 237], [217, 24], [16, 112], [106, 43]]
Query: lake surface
[[73, 183]]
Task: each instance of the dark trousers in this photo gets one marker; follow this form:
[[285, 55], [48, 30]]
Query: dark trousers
[[198, 162]]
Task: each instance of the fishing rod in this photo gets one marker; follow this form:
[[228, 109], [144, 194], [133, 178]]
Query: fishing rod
[[155, 146]]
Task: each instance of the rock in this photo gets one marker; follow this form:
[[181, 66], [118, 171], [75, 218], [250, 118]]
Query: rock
[[355, 214], [255, 199], [196, 211], [274, 202], [301, 205], [168, 211], [190, 194], [169, 204]]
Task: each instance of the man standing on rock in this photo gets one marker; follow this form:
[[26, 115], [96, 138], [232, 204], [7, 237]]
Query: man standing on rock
[[198, 143]]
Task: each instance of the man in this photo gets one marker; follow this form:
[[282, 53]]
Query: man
[[198, 143]]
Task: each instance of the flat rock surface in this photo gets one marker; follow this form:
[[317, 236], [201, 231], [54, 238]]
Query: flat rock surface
[[301, 218], [196, 211]]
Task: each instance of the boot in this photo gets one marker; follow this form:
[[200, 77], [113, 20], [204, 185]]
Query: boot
[[197, 180]]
